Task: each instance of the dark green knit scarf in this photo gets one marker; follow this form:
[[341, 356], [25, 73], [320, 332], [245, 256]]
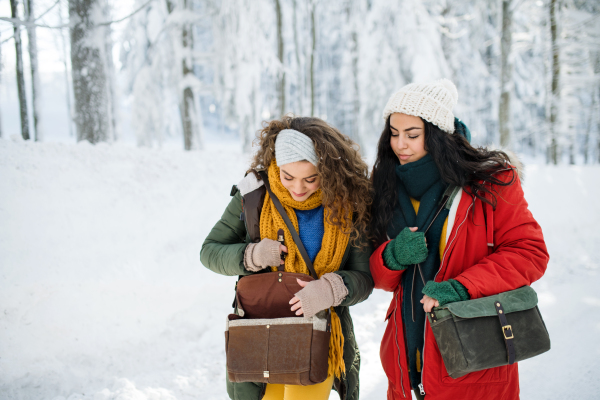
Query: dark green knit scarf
[[420, 180]]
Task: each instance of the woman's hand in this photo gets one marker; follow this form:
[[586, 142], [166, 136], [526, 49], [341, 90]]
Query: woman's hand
[[429, 303], [295, 301], [264, 254], [320, 294], [416, 228]]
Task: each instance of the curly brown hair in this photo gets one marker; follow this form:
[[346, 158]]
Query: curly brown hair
[[345, 183]]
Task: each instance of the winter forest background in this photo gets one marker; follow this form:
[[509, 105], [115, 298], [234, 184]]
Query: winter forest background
[[123, 125], [528, 72]]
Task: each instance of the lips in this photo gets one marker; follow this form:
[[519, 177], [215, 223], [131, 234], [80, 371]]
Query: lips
[[404, 157], [299, 195]]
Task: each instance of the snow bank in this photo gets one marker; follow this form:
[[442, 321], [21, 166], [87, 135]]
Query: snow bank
[[102, 295]]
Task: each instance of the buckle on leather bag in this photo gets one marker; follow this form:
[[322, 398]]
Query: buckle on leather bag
[[505, 329]]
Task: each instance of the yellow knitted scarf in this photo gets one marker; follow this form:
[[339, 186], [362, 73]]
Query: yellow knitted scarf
[[328, 259]]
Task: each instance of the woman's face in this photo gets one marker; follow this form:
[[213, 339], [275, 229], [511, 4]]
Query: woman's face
[[300, 179], [408, 137]]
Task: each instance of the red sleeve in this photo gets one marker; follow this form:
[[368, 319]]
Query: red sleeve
[[384, 277], [520, 256]]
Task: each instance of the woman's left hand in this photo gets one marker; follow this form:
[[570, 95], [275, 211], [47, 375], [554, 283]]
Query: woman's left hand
[[296, 302], [429, 303]]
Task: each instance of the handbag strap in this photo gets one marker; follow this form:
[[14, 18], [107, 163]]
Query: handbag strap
[[289, 224], [488, 215], [443, 203], [507, 332]]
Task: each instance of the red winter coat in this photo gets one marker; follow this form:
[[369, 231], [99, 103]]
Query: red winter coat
[[519, 258]]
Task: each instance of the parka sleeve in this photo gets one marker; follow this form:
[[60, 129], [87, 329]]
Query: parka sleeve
[[223, 249], [520, 256], [356, 275], [383, 277]]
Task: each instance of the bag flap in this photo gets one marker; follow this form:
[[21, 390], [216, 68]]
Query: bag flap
[[520, 299]]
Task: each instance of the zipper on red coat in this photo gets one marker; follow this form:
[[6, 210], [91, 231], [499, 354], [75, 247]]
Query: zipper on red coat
[[398, 346], [421, 387]]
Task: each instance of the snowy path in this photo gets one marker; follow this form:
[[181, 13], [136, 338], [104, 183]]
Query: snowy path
[[102, 295]]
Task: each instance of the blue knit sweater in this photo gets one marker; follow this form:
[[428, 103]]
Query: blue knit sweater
[[312, 230]]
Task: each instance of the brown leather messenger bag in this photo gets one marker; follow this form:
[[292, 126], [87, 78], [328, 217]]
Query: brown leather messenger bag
[[264, 340]]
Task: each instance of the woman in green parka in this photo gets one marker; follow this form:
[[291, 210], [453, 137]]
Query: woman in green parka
[[322, 182]]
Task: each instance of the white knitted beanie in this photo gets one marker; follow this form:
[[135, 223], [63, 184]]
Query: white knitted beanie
[[292, 146], [432, 101]]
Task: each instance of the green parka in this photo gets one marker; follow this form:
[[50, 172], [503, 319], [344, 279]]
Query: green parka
[[223, 253]]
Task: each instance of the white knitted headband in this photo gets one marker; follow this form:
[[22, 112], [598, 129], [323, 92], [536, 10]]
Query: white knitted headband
[[432, 101], [292, 146]]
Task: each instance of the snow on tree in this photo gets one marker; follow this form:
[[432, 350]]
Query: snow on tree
[[20, 76], [35, 76], [504, 117], [88, 61]]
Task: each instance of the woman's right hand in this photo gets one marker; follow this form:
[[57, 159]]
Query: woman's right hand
[[409, 247]]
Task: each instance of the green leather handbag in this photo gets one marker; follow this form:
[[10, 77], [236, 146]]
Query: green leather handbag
[[489, 332]]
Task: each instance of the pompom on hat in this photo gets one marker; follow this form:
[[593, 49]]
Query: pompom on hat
[[292, 145], [432, 101]]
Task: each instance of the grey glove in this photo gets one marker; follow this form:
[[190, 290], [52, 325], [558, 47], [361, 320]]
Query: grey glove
[[262, 255], [323, 293]]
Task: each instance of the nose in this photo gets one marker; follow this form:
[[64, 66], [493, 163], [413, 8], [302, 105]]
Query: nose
[[299, 187], [401, 143]]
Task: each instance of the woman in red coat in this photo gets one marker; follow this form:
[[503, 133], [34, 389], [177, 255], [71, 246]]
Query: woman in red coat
[[482, 242]]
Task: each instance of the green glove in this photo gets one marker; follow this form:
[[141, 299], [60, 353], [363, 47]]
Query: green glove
[[408, 248], [446, 292]]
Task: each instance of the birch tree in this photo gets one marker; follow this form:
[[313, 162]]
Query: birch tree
[[504, 116], [20, 75], [555, 89], [35, 76], [280, 55], [313, 36], [0, 83], [89, 71], [183, 40]]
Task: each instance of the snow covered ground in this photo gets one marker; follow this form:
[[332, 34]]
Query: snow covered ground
[[102, 295]]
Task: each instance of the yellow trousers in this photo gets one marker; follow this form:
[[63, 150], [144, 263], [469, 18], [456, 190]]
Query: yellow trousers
[[320, 391]]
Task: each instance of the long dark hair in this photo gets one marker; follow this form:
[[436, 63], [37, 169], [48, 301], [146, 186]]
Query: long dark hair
[[459, 163]]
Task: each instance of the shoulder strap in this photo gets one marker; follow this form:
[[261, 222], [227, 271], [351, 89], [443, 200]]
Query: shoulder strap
[[290, 226], [449, 190], [488, 215]]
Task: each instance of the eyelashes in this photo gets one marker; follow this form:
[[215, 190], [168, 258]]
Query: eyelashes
[[289, 179]]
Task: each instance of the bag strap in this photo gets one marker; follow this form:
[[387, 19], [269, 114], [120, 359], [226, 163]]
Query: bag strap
[[507, 332], [289, 224], [443, 203], [488, 215]]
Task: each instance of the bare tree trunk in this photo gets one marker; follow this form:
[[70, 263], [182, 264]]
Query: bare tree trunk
[[88, 72], [504, 120], [189, 114], [598, 130], [110, 72], [35, 76], [187, 104], [280, 54], [20, 76], [0, 84], [299, 69], [312, 57], [555, 97], [586, 139], [354, 51], [66, 67]]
